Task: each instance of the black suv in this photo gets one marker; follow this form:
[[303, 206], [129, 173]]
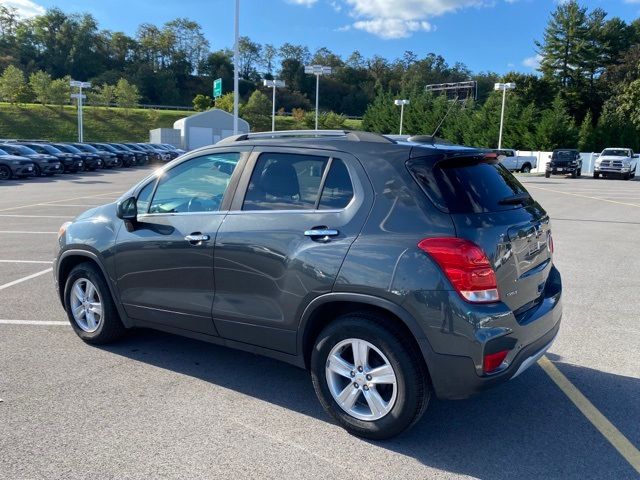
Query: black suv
[[390, 270], [564, 161], [91, 161], [14, 166], [43, 163], [71, 162]]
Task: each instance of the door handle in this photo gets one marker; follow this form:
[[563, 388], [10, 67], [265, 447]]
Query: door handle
[[196, 238], [321, 234]]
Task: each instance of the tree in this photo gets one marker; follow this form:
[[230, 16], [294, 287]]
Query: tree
[[269, 55], [563, 46], [257, 111], [556, 128], [11, 84], [202, 102], [127, 95], [587, 134], [60, 91], [104, 94], [225, 102], [189, 41], [249, 57], [40, 83]]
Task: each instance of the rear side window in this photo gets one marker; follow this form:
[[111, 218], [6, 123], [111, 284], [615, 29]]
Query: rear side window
[[467, 185], [338, 189], [283, 181]]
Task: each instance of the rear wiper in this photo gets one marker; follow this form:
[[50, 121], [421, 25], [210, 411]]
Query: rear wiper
[[520, 198]]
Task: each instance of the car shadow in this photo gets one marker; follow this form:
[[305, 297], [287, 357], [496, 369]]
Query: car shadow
[[525, 428]]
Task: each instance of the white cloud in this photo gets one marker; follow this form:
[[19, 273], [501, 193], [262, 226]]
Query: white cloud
[[306, 3], [25, 8], [388, 28], [532, 62]]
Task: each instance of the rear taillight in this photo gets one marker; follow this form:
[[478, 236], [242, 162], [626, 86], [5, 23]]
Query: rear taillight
[[466, 266], [493, 361]]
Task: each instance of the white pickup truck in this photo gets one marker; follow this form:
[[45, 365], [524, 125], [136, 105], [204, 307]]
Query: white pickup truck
[[516, 163], [619, 162]]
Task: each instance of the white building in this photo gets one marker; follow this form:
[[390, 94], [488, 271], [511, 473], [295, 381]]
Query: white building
[[207, 128]]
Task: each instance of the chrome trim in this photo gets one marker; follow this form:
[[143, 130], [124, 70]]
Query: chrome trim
[[532, 359]]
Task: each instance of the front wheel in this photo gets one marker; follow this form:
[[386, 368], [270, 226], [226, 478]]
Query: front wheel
[[596, 175], [89, 306], [369, 376], [5, 173], [547, 174]]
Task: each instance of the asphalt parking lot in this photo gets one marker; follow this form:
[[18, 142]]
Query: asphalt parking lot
[[158, 406]]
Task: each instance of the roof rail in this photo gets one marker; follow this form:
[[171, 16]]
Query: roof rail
[[355, 136]]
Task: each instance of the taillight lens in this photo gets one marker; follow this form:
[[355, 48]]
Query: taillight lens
[[492, 361], [466, 266]]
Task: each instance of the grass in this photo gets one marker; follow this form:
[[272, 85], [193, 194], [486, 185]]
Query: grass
[[100, 124]]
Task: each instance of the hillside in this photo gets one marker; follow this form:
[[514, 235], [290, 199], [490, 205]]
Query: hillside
[[100, 124]]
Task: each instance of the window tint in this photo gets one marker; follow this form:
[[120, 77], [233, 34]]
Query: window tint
[[338, 189], [197, 185], [468, 185], [282, 181], [144, 197]]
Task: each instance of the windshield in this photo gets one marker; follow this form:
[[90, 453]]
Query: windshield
[[87, 148], [615, 152], [104, 146], [67, 148], [2, 152], [45, 149], [20, 150], [564, 154]]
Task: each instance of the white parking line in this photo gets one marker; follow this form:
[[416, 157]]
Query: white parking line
[[37, 216], [46, 262], [24, 279], [87, 205], [33, 322], [23, 231], [57, 201]]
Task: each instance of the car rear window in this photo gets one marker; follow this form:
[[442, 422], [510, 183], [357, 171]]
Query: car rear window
[[467, 185]]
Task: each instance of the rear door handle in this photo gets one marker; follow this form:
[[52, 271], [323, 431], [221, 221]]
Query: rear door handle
[[196, 238], [321, 234]]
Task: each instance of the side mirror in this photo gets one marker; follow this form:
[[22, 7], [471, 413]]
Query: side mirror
[[127, 209]]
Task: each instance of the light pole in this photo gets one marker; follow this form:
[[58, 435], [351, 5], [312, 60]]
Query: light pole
[[236, 62], [317, 70], [79, 96], [504, 87], [402, 103], [273, 84]]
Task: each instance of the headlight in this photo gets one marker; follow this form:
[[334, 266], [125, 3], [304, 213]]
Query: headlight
[[63, 228], [626, 163]]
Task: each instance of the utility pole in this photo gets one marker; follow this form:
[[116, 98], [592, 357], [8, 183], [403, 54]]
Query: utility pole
[[402, 103], [236, 62], [273, 84], [504, 87], [317, 70], [79, 96]]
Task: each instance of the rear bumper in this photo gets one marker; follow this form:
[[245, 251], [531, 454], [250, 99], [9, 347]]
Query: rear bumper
[[460, 375]]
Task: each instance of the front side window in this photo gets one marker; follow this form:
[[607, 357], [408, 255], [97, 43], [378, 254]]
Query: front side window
[[284, 181], [197, 185]]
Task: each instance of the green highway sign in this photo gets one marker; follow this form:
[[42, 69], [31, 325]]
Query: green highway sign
[[217, 88]]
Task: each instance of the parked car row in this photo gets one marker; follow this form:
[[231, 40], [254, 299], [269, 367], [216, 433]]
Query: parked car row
[[35, 158]]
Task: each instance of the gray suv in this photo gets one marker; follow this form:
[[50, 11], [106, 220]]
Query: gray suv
[[391, 270]]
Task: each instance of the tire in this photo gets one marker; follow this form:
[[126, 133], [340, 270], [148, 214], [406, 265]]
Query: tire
[[5, 173], [526, 168], [37, 171], [108, 327], [406, 401], [574, 174], [579, 174], [547, 174], [596, 175]]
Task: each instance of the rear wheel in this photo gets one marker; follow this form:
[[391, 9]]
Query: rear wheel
[[5, 172], [89, 306], [526, 168], [369, 376]]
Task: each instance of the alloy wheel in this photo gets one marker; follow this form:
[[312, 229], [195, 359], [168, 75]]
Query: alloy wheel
[[86, 305], [361, 379]]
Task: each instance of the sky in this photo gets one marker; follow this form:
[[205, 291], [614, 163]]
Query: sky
[[485, 35]]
